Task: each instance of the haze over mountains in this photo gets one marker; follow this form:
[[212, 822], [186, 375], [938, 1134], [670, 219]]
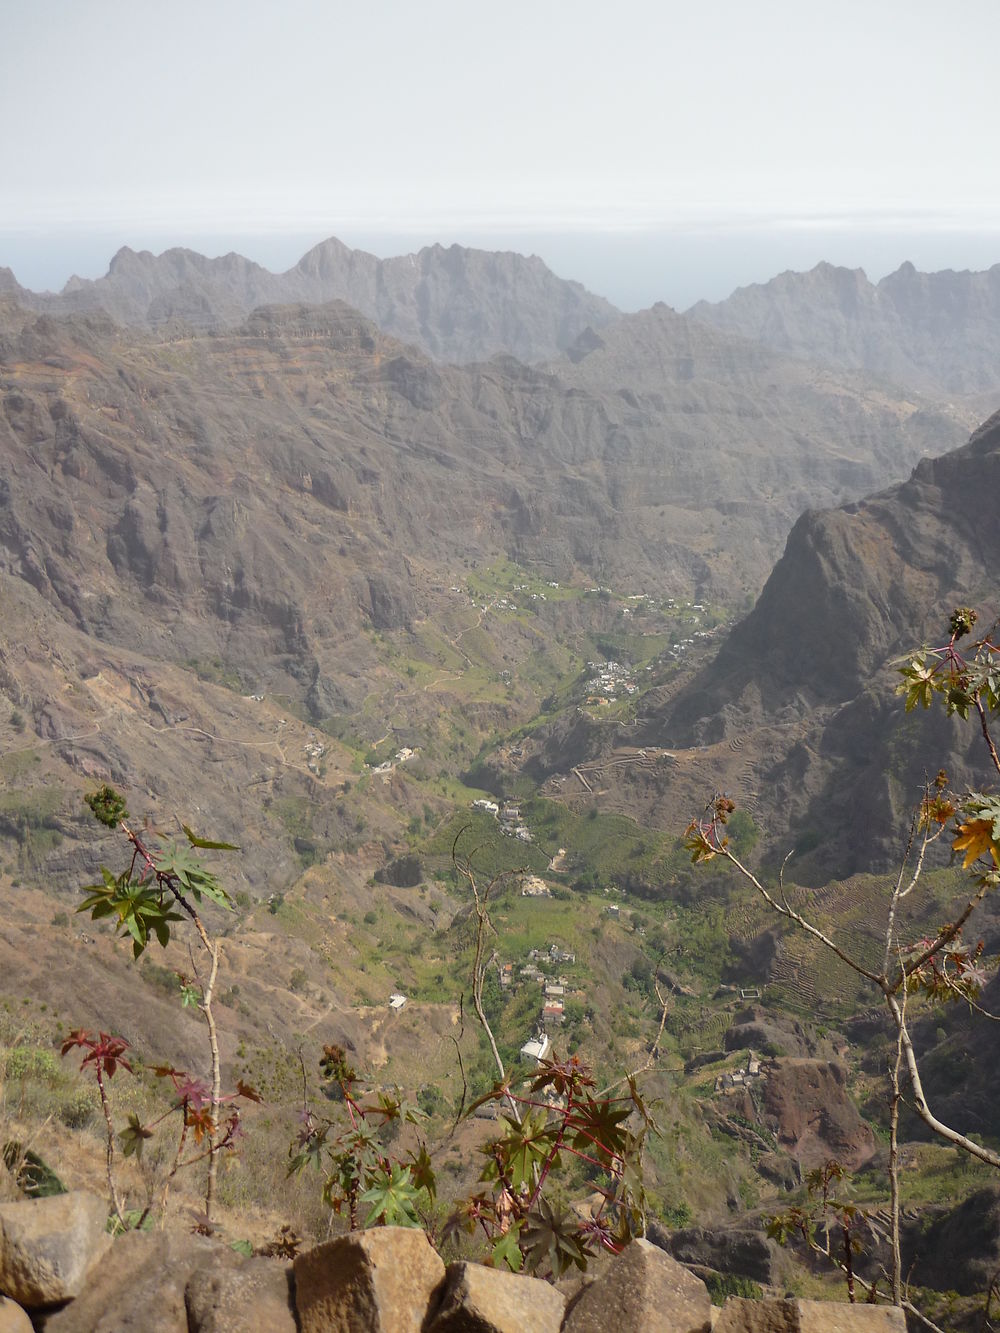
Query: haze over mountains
[[935, 331], [209, 463]]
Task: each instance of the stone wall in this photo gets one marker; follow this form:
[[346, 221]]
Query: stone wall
[[60, 1272]]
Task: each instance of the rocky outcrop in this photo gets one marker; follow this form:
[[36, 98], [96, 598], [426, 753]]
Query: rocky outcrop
[[739, 1315], [809, 672], [814, 1118], [485, 1300], [388, 1279], [643, 1288], [737, 1251]]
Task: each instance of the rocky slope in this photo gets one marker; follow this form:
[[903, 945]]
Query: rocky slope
[[808, 674], [456, 304], [932, 330], [251, 508]]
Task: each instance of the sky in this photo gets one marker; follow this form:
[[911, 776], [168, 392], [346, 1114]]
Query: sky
[[649, 148]]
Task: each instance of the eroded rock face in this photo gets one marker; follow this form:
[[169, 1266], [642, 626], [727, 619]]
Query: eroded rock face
[[961, 1250], [47, 1246], [816, 1119], [643, 1289], [809, 673], [487, 1300], [379, 1281], [732, 1250]]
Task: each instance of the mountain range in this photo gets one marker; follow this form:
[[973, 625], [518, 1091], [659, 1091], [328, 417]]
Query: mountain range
[[251, 490]]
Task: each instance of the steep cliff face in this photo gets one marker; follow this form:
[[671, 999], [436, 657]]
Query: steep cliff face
[[810, 669], [933, 330]]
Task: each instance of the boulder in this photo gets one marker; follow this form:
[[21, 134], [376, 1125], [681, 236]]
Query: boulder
[[643, 1288], [489, 1300], [13, 1319], [257, 1296], [48, 1245], [734, 1250], [739, 1315], [140, 1286], [379, 1281]]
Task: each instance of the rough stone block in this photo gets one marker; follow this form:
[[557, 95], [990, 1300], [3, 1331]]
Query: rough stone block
[[489, 1300], [840, 1317], [139, 1287], [740, 1315], [643, 1289], [13, 1319], [255, 1297], [48, 1245], [378, 1281], [744, 1316]]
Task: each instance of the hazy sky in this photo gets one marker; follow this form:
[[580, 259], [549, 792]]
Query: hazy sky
[[685, 143]]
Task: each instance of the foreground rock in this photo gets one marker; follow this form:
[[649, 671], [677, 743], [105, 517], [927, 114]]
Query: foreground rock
[[379, 1281], [643, 1289], [12, 1318], [48, 1245], [257, 1296], [139, 1288], [487, 1300], [742, 1316]]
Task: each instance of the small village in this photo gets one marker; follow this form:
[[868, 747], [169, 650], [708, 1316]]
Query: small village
[[507, 815], [607, 681]]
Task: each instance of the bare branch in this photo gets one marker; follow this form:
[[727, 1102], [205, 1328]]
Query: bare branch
[[786, 910], [919, 1099]]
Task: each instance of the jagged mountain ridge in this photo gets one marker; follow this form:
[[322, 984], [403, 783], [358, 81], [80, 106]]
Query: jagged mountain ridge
[[457, 304], [379, 449], [936, 331], [808, 675]]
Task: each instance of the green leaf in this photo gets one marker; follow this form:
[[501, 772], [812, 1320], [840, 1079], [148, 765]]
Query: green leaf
[[134, 1136], [207, 844], [242, 1247], [393, 1199], [525, 1146], [507, 1251]]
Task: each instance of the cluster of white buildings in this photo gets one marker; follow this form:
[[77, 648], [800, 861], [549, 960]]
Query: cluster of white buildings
[[385, 770], [608, 680], [509, 817]]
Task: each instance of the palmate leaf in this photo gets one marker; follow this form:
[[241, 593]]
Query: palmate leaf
[[393, 1199], [975, 839], [550, 1238], [177, 861], [138, 906], [599, 1125], [422, 1171], [522, 1148], [507, 1250], [919, 682]]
